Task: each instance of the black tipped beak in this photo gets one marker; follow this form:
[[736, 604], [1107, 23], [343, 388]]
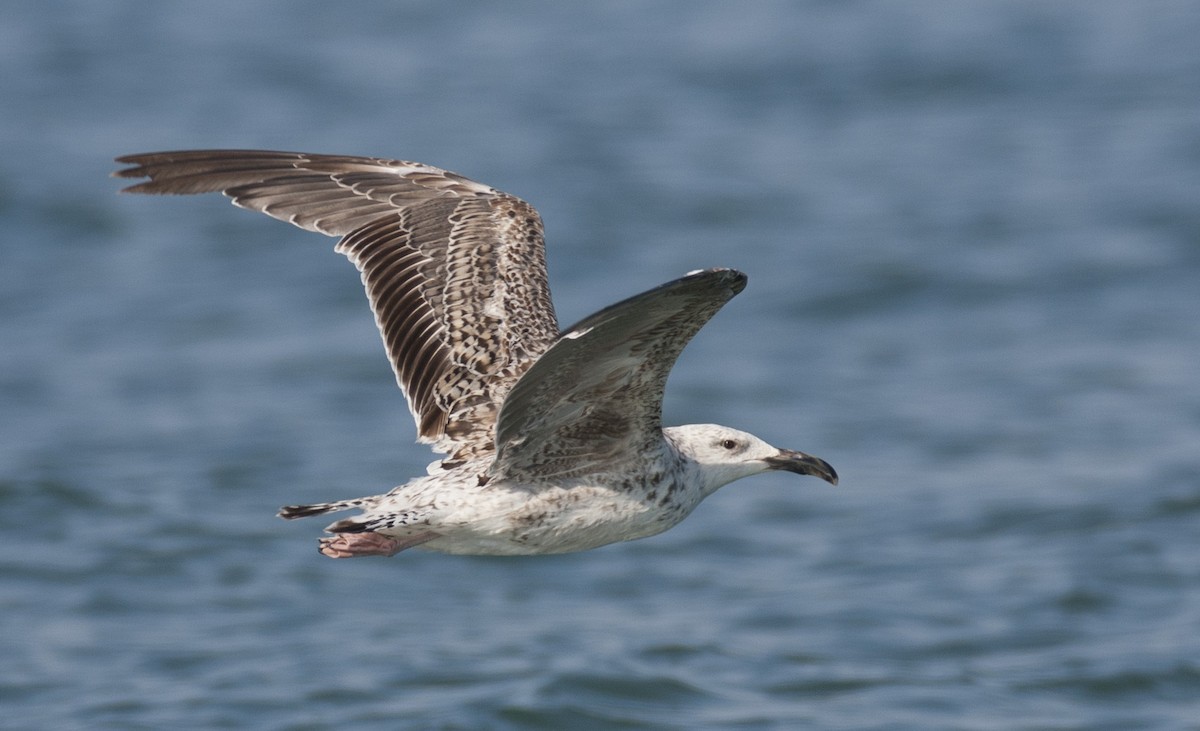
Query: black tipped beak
[[803, 464]]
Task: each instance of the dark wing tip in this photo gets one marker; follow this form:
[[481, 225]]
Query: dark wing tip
[[721, 282], [140, 167], [187, 171], [719, 276], [136, 171]]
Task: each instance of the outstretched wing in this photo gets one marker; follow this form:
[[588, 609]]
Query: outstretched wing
[[595, 397], [454, 270]]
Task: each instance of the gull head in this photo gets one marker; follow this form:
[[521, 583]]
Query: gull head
[[723, 455]]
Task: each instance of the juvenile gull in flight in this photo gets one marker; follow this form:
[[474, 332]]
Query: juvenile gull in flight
[[553, 439]]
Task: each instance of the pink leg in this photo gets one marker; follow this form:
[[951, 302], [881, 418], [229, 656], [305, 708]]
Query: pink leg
[[349, 545]]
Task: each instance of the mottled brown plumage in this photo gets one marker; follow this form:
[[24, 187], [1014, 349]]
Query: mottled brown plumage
[[555, 440], [455, 271]]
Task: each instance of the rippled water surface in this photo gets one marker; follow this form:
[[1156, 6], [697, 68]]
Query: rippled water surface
[[973, 239]]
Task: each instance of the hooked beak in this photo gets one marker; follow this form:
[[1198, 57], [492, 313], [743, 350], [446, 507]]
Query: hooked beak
[[803, 464]]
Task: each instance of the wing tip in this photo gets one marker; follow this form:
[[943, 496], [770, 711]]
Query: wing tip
[[134, 171], [727, 276], [162, 179]]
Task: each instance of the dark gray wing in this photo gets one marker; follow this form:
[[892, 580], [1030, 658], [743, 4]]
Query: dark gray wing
[[454, 270], [594, 398]]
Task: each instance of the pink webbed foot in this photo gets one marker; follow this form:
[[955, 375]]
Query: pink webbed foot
[[350, 545]]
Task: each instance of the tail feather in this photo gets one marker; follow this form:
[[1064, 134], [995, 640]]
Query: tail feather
[[291, 512]]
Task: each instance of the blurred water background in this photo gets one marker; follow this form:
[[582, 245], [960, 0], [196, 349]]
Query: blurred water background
[[973, 238]]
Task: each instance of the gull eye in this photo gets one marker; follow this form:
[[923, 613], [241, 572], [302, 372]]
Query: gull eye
[[729, 444]]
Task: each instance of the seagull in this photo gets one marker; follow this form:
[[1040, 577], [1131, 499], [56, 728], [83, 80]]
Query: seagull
[[553, 439]]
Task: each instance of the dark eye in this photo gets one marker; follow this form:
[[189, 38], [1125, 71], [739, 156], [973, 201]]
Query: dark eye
[[729, 444]]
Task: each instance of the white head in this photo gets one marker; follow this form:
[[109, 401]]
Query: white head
[[724, 455]]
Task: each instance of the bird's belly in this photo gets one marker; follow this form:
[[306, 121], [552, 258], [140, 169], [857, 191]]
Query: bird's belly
[[559, 520]]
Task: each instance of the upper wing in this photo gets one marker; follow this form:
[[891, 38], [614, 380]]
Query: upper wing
[[455, 271], [595, 397]]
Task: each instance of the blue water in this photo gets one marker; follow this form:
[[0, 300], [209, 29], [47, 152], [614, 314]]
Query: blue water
[[973, 239]]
